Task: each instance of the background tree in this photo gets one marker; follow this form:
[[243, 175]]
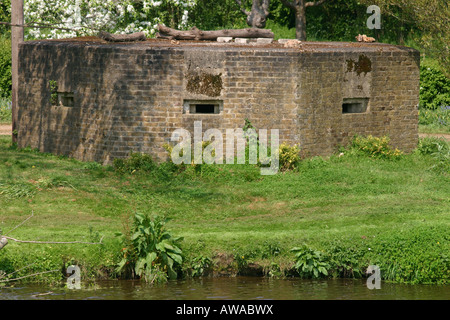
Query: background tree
[[257, 17], [299, 7], [431, 19]]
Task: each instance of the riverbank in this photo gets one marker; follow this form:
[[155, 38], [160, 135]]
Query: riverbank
[[356, 211]]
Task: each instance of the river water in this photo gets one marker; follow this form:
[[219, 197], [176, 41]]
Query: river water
[[224, 288]]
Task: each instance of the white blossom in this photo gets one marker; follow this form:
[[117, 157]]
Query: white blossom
[[87, 17]]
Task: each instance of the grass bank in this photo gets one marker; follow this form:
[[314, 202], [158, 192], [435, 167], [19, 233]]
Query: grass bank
[[355, 210]]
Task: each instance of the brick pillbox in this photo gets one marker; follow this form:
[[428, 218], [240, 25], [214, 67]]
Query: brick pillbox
[[111, 99]]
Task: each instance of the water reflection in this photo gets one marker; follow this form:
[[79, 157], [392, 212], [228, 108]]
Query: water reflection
[[238, 288]]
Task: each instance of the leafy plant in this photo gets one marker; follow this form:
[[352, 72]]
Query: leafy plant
[[200, 265], [346, 261], [375, 147], [135, 162], [13, 190], [289, 157], [149, 250], [310, 263], [442, 157], [53, 92], [431, 145], [434, 88], [5, 66], [439, 149], [5, 110], [438, 118]]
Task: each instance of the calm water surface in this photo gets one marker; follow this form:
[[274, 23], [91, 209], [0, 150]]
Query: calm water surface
[[238, 288]]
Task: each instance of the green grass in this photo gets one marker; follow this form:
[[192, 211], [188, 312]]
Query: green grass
[[341, 206]]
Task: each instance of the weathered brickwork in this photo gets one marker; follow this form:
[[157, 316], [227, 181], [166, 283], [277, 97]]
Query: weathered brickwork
[[130, 97]]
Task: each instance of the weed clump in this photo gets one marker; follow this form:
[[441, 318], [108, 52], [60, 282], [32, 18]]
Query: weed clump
[[375, 147]]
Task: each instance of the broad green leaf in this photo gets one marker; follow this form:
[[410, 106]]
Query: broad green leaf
[[176, 257]]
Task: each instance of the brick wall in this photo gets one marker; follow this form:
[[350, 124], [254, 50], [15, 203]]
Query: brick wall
[[131, 97]]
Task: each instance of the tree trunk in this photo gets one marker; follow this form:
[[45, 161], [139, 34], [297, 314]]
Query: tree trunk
[[257, 17], [299, 7], [138, 36], [300, 22], [196, 34], [16, 38]]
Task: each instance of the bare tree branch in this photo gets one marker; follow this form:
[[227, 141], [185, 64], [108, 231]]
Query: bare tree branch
[[4, 238], [7, 275], [314, 3], [42, 26], [289, 4], [239, 2], [265, 5], [30, 275], [32, 214], [52, 242], [137, 36]]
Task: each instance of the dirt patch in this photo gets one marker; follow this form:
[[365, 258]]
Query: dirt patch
[[5, 129]]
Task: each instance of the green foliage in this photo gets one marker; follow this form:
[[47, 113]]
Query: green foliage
[[5, 15], [53, 92], [438, 119], [431, 145], [439, 150], [375, 147], [345, 261], [416, 256], [200, 266], [310, 263], [442, 158], [5, 110], [289, 157], [219, 14], [5, 67], [434, 91], [149, 250], [135, 162], [13, 190]]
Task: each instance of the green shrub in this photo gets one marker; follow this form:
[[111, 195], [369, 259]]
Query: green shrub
[[135, 162], [439, 117], [434, 88], [431, 145], [375, 147], [345, 261], [5, 67], [310, 263], [5, 110], [13, 190], [289, 157], [414, 256], [439, 149], [149, 251], [200, 266], [442, 158], [5, 15]]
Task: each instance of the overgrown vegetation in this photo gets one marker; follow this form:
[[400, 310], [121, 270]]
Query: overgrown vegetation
[[149, 251], [5, 67], [434, 88], [310, 263], [5, 110], [355, 209], [351, 210], [375, 147]]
